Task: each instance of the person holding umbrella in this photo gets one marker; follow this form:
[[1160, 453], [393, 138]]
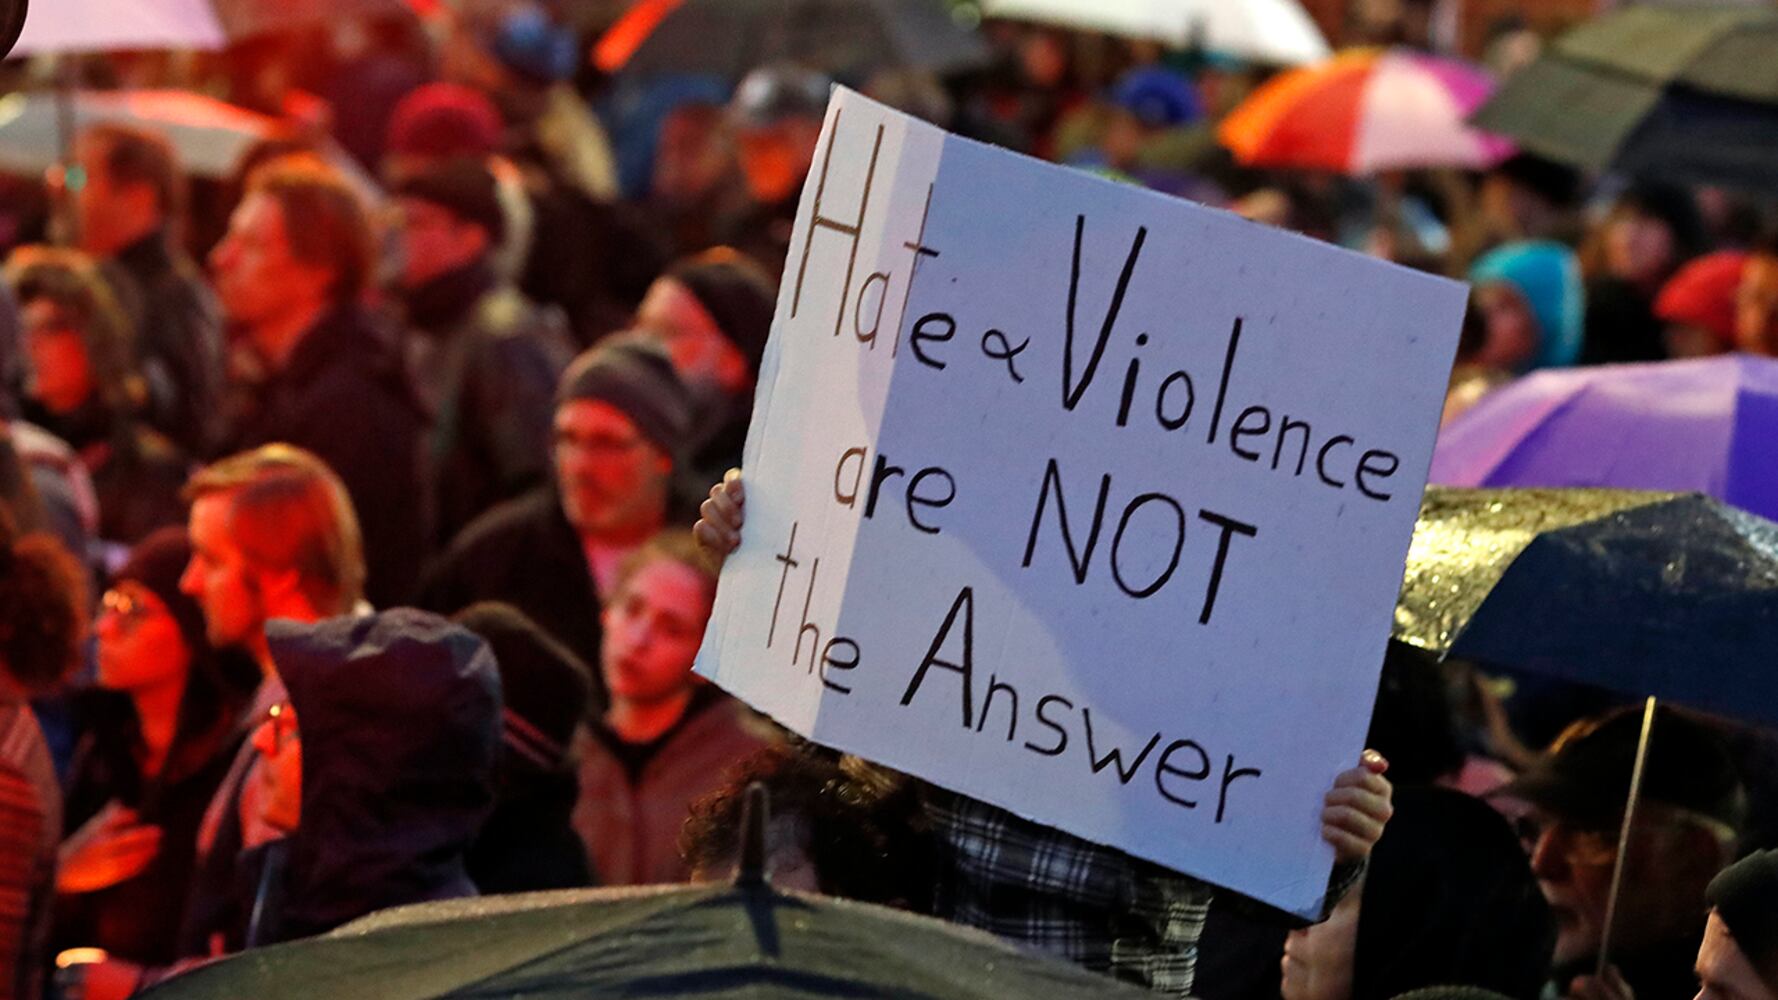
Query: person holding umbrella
[[1571, 804]]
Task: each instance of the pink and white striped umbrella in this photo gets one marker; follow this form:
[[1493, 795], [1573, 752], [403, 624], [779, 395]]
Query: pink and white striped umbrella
[[1366, 111]]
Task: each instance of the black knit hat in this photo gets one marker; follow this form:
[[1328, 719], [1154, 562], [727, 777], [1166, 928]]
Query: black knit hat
[[545, 685], [463, 187], [635, 376], [157, 562], [738, 295], [1745, 896]]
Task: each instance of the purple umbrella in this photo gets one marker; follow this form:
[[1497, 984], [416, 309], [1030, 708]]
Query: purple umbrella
[[1708, 425]]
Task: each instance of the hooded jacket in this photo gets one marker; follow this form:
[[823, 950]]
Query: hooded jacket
[[399, 716]]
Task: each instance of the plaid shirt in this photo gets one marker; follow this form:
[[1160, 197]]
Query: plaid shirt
[[1089, 904]]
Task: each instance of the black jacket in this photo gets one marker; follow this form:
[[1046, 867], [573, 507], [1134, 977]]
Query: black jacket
[[399, 717], [524, 552], [178, 338], [138, 919], [345, 394], [487, 359]]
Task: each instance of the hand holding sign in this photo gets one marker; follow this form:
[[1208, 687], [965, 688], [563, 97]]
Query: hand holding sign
[[1085, 502]]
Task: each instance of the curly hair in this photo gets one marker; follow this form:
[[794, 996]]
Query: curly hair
[[861, 826], [42, 602]]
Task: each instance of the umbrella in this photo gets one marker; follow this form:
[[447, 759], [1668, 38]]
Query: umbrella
[[1365, 111], [1664, 92], [847, 38], [1672, 596], [208, 135], [734, 941], [1267, 31], [60, 26], [1708, 425]]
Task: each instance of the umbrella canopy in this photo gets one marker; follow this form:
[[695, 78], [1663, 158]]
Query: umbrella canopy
[[103, 25], [208, 135], [1674, 596], [1663, 92], [1366, 111], [1708, 425], [846, 38], [1268, 31], [682, 941]]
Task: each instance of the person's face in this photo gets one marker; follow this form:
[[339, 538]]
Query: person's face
[[1723, 968], [140, 645], [253, 269], [1638, 248], [612, 480], [61, 369], [219, 577], [1512, 336], [1756, 306], [96, 201], [699, 351], [691, 156], [1573, 868], [775, 158], [653, 626], [434, 242], [281, 775]]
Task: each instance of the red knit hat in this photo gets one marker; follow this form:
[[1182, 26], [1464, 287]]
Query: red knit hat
[[444, 120], [1702, 294]]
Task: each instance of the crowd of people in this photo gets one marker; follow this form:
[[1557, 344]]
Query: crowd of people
[[357, 537]]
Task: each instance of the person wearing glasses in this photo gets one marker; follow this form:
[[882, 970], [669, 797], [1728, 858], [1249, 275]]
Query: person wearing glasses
[[1569, 807], [160, 735], [621, 418]]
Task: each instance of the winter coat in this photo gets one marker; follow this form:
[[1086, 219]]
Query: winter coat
[[399, 717], [178, 337], [525, 553], [30, 829], [345, 394], [487, 360], [527, 845], [631, 828], [138, 919]]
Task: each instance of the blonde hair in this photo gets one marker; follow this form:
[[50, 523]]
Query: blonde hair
[[289, 511]]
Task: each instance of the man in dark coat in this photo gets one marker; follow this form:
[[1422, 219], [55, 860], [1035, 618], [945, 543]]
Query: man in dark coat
[[290, 274], [487, 358], [620, 416], [133, 191]]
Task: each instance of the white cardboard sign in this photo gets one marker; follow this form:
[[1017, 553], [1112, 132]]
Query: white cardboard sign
[[1084, 501]]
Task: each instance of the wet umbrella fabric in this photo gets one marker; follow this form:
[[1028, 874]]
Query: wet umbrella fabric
[[1674, 596], [845, 38], [681, 941], [1671, 93], [1708, 425]]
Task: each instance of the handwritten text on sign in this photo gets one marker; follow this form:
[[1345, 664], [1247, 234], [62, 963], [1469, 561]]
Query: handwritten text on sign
[[1083, 501]]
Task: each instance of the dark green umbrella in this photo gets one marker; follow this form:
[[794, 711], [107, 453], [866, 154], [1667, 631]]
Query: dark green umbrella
[[1671, 595], [746, 940], [1681, 94]]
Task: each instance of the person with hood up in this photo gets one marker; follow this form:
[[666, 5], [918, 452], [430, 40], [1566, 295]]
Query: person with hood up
[[1532, 303], [1698, 305], [380, 766]]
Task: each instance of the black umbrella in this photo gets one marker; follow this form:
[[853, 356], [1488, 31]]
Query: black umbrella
[[1668, 595], [849, 39], [1663, 92], [1646, 593], [742, 941]]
